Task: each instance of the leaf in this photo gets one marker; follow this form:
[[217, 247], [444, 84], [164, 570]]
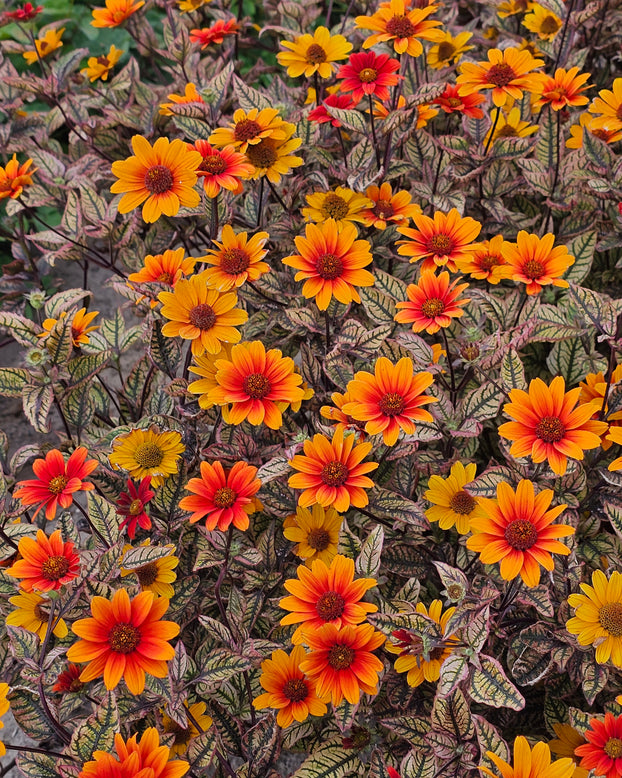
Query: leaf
[[13, 380], [23, 643], [63, 301], [48, 165], [512, 371], [24, 331], [165, 352], [275, 468], [352, 120], [202, 748], [143, 555], [547, 148], [594, 678], [490, 686], [613, 513], [261, 743], [79, 406], [453, 671], [329, 761], [418, 763], [60, 341], [483, 403], [221, 666], [582, 249], [37, 401], [98, 731], [379, 306], [103, 517], [249, 98], [393, 506], [93, 205], [84, 368], [568, 359], [489, 740], [597, 151], [368, 561], [451, 714], [37, 765]]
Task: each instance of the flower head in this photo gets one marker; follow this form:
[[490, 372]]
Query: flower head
[[205, 366], [343, 206], [598, 616], [615, 436], [535, 262], [100, 67], [452, 505], [510, 125], [131, 505], [543, 22], [562, 90], [459, 100], [448, 49], [183, 735], [603, 751], [24, 14], [335, 413], [69, 680], [321, 113], [367, 73], [564, 745], [406, 27], [167, 268], [216, 33], [188, 6], [432, 303], [248, 129], [32, 612], [506, 72], [514, 7], [440, 240], [315, 532], [221, 168], [144, 453], [135, 758], [530, 763], [607, 107], [189, 96], [236, 259], [157, 576], [79, 326], [317, 53], [14, 177], [44, 46], [604, 128], [46, 564], [115, 12], [388, 208], [486, 262], [274, 158]]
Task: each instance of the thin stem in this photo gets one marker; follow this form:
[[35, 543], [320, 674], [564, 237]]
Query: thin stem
[[610, 368], [373, 132], [62, 733], [265, 296], [492, 130], [90, 523], [259, 205], [562, 40], [34, 750], [452, 375], [343, 147], [329, 11], [316, 86], [221, 578], [520, 310], [213, 225], [278, 196], [327, 331], [63, 418]]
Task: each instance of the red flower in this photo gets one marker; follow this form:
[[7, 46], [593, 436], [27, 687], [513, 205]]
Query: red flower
[[393, 773], [321, 114], [25, 13], [367, 73], [603, 751], [131, 504], [453, 100], [214, 34], [69, 680]]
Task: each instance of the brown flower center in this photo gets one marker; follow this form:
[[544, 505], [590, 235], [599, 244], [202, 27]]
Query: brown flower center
[[400, 26], [469, 351], [533, 269], [490, 261], [256, 385], [234, 261], [550, 429], [57, 484], [367, 75], [334, 207], [462, 503], [124, 638], [295, 689], [613, 748], [391, 404], [454, 102], [330, 606], [383, 209], [319, 539], [147, 574], [165, 278], [245, 130], [136, 507], [41, 613], [340, 657], [315, 54], [610, 617], [76, 685], [182, 735], [501, 75], [263, 154], [550, 25], [602, 134], [507, 131], [328, 266], [521, 534], [148, 455], [214, 164], [440, 244], [224, 497], [619, 112], [102, 61], [446, 50], [54, 567], [432, 307], [158, 179], [202, 316], [334, 473]]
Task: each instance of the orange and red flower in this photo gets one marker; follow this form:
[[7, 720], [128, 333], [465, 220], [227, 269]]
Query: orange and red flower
[[167, 268], [534, 262], [321, 113], [46, 563], [507, 73], [388, 208], [432, 303], [440, 240], [367, 73], [236, 259], [69, 680], [131, 505], [221, 168], [115, 12], [56, 481], [457, 100], [216, 33], [14, 177], [224, 497], [487, 262], [146, 758], [396, 21], [563, 89], [603, 751]]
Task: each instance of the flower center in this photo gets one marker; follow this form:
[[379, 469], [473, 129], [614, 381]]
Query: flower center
[[148, 455], [391, 404], [334, 207], [455, 591], [440, 244], [245, 130], [330, 606], [432, 307], [462, 503], [256, 385], [102, 61], [224, 497], [533, 269], [319, 539], [602, 134], [610, 617], [334, 473], [521, 534], [58, 483], [328, 266], [202, 316], [263, 154], [147, 574], [214, 164], [124, 638], [383, 209], [367, 75], [295, 689], [182, 735], [613, 748], [490, 261], [340, 657], [54, 567], [165, 278], [619, 112], [550, 429], [234, 261], [446, 50], [40, 613], [454, 102], [136, 507], [507, 132], [315, 54], [550, 25], [501, 75], [158, 179], [400, 26], [76, 685]]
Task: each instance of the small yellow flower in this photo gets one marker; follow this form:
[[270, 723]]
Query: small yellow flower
[[543, 22], [188, 6], [145, 453], [33, 613], [183, 736], [190, 96], [46, 45], [99, 67], [514, 7], [597, 126], [4, 706], [452, 505], [315, 53], [157, 576], [598, 618], [448, 49], [510, 125], [315, 530], [343, 205]]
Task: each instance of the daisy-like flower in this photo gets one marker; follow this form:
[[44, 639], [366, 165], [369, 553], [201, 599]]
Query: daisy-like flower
[[564, 745], [68, 682], [248, 129], [24, 14], [190, 95], [448, 49], [317, 53], [343, 421], [562, 90], [45, 46], [183, 735], [457, 100], [406, 27], [604, 128], [144, 453], [287, 689], [115, 12], [167, 268], [331, 263], [321, 113], [615, 436], [368, 73], [79, 326], [513, 7], [274, 158], [506, 72], [46, 564], [315, 532], [332, 472], [607, 107], [390, 399], [205, 366], [124, 639], [236, 259], [161, 176], [341, 662], [534, 262], [188, 6], [382, 110], [204, 316], [100, 67], [413, 659], [432, 303], [530, 763], [221, 168], [388, 208], [216, 33], [157, 576], [14, 177], [549, 425], [598, 616], [343, 206], [131, 505], [256, 384], [440, 240], [486, 262], [224, 497], [425, 112], [325, 594], [56, 481], [145, 757], [543, 22], [33, 613], [452, 505], [603, 751], [510, 125]]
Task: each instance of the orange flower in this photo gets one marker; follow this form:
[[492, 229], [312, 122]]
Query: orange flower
[[459, 100], [44, 46], [225, 497], [46, 563], [333, 472], [56, 482], [201, 315], [561, 90], [167, 268], [615, 436], [530, 764], [146, 757], [432, 303], [124, 639], [341, 662], [344, 422], [406, 27], [603, 751], [115, 12], [205, 366], [332, 262], [390, 399], [388, 207], [486, 262], [14, 177], [190, 95], [100, 67], [221, 168], [79, 326], [236, 259], [549, 425], [534, 261], [325, 595], [603, 128], [439, 241], [251, 128], [507, 73], [216, 33]]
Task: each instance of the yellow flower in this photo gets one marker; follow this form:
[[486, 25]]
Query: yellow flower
[[46, 45], [564, 745], [188, 6], [315, 531], [4, 706], [190, 95], [205, 366], [510, 125], [157, 576], [425, 112], [183, 735], [597, 126], [530, 764], [32, 613], [79, 326], [598, 618], [452, 505], [145, 453], [343, 205], [251, 128], [273, 158], [543, 22], [99, 67], [513, 7], [236, 259], [314, 54], [448, 49]]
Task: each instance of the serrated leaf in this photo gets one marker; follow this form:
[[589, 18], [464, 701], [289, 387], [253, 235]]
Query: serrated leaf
[[63, 301], [249, 98], [79, 406], [489, 740], [351, 119], [72, 216], [221, 666], [84, 368], [37, 765], [490, 686], [368, 561], [23, 643], [21, 329], [164, 352], [202, 748], [379, 306], [483, 403], [393, 506], [452, 715], [37, 402], [93, 205], [418, 763], [98, 731], [143, 555], [275, 468], [453, 671], [568, 359]]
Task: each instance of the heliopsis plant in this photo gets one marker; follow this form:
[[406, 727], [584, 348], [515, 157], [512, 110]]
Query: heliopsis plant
[[452, 505], [598, 616], [432, 303], [147, 454], [236, 259]]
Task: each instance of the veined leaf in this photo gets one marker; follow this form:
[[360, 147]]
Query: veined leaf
[[37, 402], [490, 686], [329, 761], [13, 380], [368, 562], [98, 731]]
